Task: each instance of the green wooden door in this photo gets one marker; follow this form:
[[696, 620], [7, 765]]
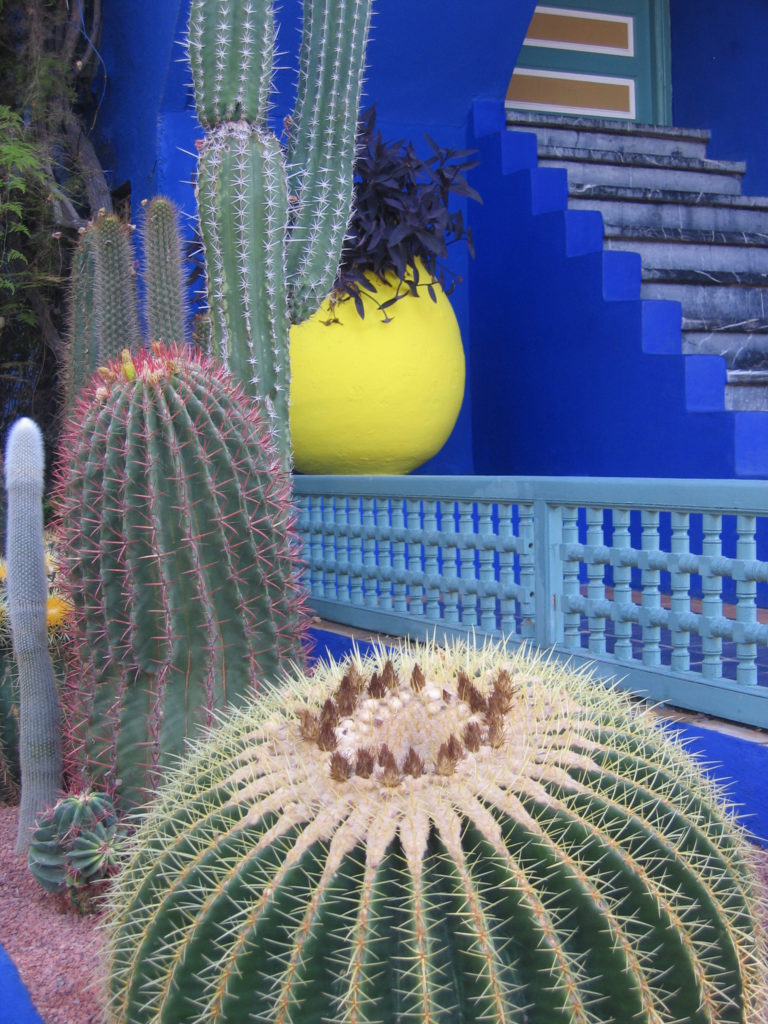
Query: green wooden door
[[596, 58]]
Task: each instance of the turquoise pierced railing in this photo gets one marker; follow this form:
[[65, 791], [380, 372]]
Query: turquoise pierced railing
[[656, 582]]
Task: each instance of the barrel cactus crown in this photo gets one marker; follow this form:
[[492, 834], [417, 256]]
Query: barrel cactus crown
[[437, 836], [179, 550]]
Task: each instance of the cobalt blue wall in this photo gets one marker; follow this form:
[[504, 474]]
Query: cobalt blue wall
[[572, 373], [720, 79], [427, 63]]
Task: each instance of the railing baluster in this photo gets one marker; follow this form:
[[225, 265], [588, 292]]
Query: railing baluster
[[416, 590], [507, 622], [468, 600], [746, 597], [711, 599], [486, 571], [316, 546], [622, 586], [651, 596], [432, 594], [450, 564], [355, 552], [369, 555], [571, 620], [400, 602], [595, 580], [330, 554], [680, 600], [341, 518], [526, 532]]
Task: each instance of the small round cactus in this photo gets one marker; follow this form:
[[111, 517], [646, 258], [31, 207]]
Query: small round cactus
[[74, 849], [434, 836]]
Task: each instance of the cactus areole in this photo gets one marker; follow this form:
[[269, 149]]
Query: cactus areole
[[448, 836], [179, 548]]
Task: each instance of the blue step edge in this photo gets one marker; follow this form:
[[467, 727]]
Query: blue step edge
[[739, 766], [15, 998]]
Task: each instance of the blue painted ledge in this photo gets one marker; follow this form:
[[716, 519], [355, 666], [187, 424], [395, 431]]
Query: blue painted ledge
[[16, 1001], [741, 765]]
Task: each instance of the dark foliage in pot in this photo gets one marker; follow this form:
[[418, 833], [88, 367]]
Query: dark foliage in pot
[[401, 215]]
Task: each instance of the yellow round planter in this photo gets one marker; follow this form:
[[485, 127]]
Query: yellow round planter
[[370, 397]]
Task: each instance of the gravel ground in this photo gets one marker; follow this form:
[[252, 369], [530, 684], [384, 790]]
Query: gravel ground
[[58, 954]]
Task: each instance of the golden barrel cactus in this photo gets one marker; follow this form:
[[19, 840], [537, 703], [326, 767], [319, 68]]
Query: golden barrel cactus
[[438, 836]]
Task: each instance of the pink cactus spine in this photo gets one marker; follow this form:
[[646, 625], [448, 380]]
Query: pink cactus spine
[[180, 551]]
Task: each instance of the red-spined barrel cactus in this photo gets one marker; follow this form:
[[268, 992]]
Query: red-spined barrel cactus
[[179, 548], [448, 836]]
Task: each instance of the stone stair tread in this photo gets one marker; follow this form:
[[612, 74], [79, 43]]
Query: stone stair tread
[[748, 378], [753, 326], [658, 160], [693, 275], [531, 119], [696, 236], [659, 195]]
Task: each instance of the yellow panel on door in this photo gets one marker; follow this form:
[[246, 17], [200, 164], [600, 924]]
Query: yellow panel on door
[[531, 89], [581, 30]]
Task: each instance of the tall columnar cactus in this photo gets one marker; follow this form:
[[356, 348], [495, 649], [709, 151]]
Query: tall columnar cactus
[[164, 279], [103, 310], [179, 547], [273, 222], [115, 287], [39, 714], [449, 835]]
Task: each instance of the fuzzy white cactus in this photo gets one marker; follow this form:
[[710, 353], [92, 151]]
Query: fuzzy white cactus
[[27, 583]]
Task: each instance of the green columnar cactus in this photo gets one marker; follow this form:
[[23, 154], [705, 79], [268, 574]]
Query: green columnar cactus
[[178, 541], [166, 296], [75, 846], [273, 224], [321, 148], [82, 355], [104, 316], [115, 286], [449, 835], [39, 715]]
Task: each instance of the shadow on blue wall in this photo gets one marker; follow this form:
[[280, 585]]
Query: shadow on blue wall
[[720, 79]]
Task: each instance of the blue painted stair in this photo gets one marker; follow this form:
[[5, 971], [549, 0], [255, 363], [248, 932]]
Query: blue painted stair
[[702, 242], [577, 364]]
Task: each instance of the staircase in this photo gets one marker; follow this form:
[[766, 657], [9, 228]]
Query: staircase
[[702, 243]]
